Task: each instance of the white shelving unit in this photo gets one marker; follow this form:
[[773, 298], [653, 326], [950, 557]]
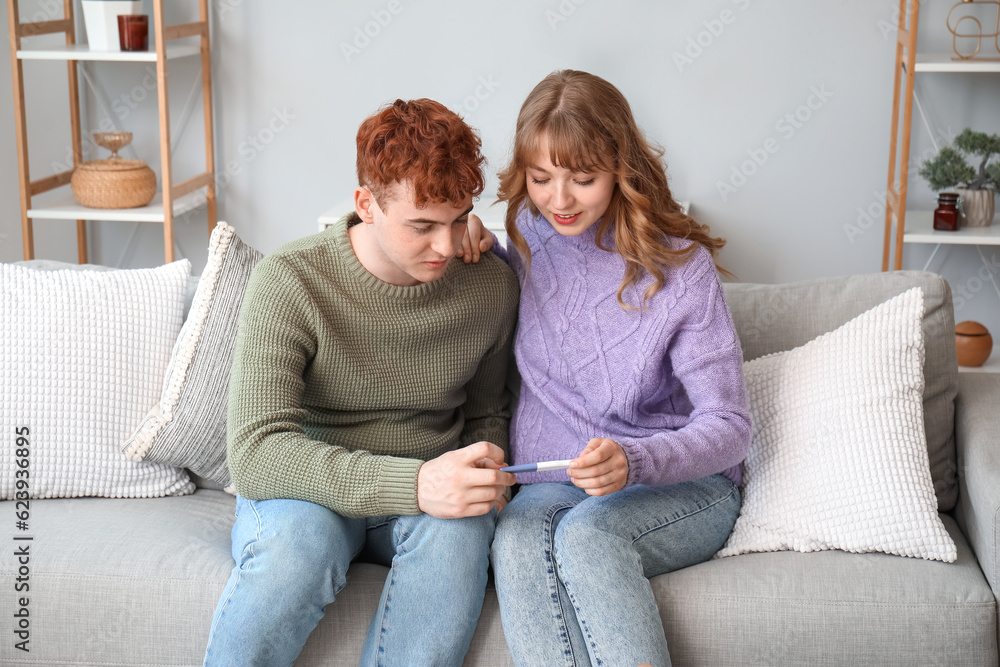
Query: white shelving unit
[[945, 62], [920, 229], [84, 52], [48, 197], [908, 62], [64, 207]]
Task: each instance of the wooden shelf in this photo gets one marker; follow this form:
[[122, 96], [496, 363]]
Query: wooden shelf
[[83, 52], [65, 207], [46, 198], [920, 229], [992, 365], [945, 62]]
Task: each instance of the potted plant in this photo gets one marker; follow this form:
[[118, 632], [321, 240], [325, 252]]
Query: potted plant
[[978, 187]]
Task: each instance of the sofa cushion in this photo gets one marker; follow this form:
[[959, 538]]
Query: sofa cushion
[[830, 608], [187, 427], [773, 318], [132, 582], [84, 354], [839, 456]]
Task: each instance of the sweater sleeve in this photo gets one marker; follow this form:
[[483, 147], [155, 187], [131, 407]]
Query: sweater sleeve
[[269, 453], [705, 356], [488, 400]]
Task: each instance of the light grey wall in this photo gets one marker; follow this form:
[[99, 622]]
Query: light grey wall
[[775, 116]]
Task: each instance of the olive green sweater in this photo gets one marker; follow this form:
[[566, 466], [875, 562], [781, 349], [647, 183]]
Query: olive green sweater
[[343, 384]]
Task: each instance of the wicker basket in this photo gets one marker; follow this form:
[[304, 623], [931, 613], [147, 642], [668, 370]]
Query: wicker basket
[[113, 183]]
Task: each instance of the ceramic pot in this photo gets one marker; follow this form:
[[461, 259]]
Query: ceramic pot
[[978, 207], [973, 343]]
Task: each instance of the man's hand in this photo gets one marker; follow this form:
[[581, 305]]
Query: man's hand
[[477, 240], [601, 468], [464, 482]]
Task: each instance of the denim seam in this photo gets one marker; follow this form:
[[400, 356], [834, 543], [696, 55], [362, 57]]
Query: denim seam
[[554, 576], [399, 538], [239, 575], [665, 523]]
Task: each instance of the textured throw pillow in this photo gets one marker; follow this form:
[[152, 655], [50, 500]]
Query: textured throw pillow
[[839, 455], [187, 427], [83, 357]]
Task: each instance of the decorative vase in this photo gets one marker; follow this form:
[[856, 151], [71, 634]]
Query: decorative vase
[[973, 343], [101, 19], [978, 207]]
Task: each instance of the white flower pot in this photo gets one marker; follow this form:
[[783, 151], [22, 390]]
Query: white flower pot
[[101, 18], [978, 207]]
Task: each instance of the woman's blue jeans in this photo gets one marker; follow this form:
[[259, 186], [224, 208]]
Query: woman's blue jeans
[[572, 571], [291, 561]]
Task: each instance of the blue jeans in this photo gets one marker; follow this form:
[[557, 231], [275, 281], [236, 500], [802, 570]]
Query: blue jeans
[[572, 571], [291, 561]]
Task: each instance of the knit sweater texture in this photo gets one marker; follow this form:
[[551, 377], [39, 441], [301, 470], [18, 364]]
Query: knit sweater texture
[[665, 382], [343, 385]]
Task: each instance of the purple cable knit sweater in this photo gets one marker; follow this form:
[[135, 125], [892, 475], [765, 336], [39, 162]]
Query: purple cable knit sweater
[[665, 382]]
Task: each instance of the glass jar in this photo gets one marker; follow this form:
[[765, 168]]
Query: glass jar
[[946, 214]]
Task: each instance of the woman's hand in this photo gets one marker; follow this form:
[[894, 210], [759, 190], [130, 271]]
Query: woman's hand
[[477, 240], [601, 468]]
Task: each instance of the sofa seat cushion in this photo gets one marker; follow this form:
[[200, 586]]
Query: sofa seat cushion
[[136, 581], [122, 581], [830, 608]]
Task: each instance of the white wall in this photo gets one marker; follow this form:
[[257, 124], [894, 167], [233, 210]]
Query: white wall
[[714, 82]]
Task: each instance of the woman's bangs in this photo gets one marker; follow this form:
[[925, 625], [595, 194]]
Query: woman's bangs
[[572, 148]]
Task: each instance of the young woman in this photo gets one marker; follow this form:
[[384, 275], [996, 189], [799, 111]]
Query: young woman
[[630, 367]]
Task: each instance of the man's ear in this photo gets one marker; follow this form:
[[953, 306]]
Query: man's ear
[[364, 203]]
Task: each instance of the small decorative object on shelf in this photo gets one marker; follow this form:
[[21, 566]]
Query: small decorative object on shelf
[[978, 186], [101, 17], [946, 214], [978, 35], [133, 32], [114, 182], [973, 343]]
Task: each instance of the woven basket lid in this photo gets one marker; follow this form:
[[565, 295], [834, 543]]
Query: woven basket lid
[[112, 164]]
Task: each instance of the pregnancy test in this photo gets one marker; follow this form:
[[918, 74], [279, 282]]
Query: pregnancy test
[[538, 467]]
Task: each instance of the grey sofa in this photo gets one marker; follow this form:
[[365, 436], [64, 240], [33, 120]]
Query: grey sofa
[[135, 582]]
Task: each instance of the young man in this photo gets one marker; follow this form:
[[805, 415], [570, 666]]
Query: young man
[[368, 410]]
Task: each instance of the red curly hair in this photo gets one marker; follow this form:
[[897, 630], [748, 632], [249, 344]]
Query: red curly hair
[[425, 144]]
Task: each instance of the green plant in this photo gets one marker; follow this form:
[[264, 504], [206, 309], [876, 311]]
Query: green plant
[[949, 169]]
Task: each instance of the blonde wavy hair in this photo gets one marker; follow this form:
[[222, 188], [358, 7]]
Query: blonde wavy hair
[[589, 126]]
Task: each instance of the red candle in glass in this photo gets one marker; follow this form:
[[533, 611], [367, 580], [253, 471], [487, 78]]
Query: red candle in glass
[[133, 32]]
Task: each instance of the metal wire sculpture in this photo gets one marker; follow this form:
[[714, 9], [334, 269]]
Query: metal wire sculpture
[[978, 35]]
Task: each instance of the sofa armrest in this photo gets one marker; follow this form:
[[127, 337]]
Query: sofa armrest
[[977, 438]]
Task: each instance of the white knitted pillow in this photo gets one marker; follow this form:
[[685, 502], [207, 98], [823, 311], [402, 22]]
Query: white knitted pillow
[[839, 455], [83, 356]]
